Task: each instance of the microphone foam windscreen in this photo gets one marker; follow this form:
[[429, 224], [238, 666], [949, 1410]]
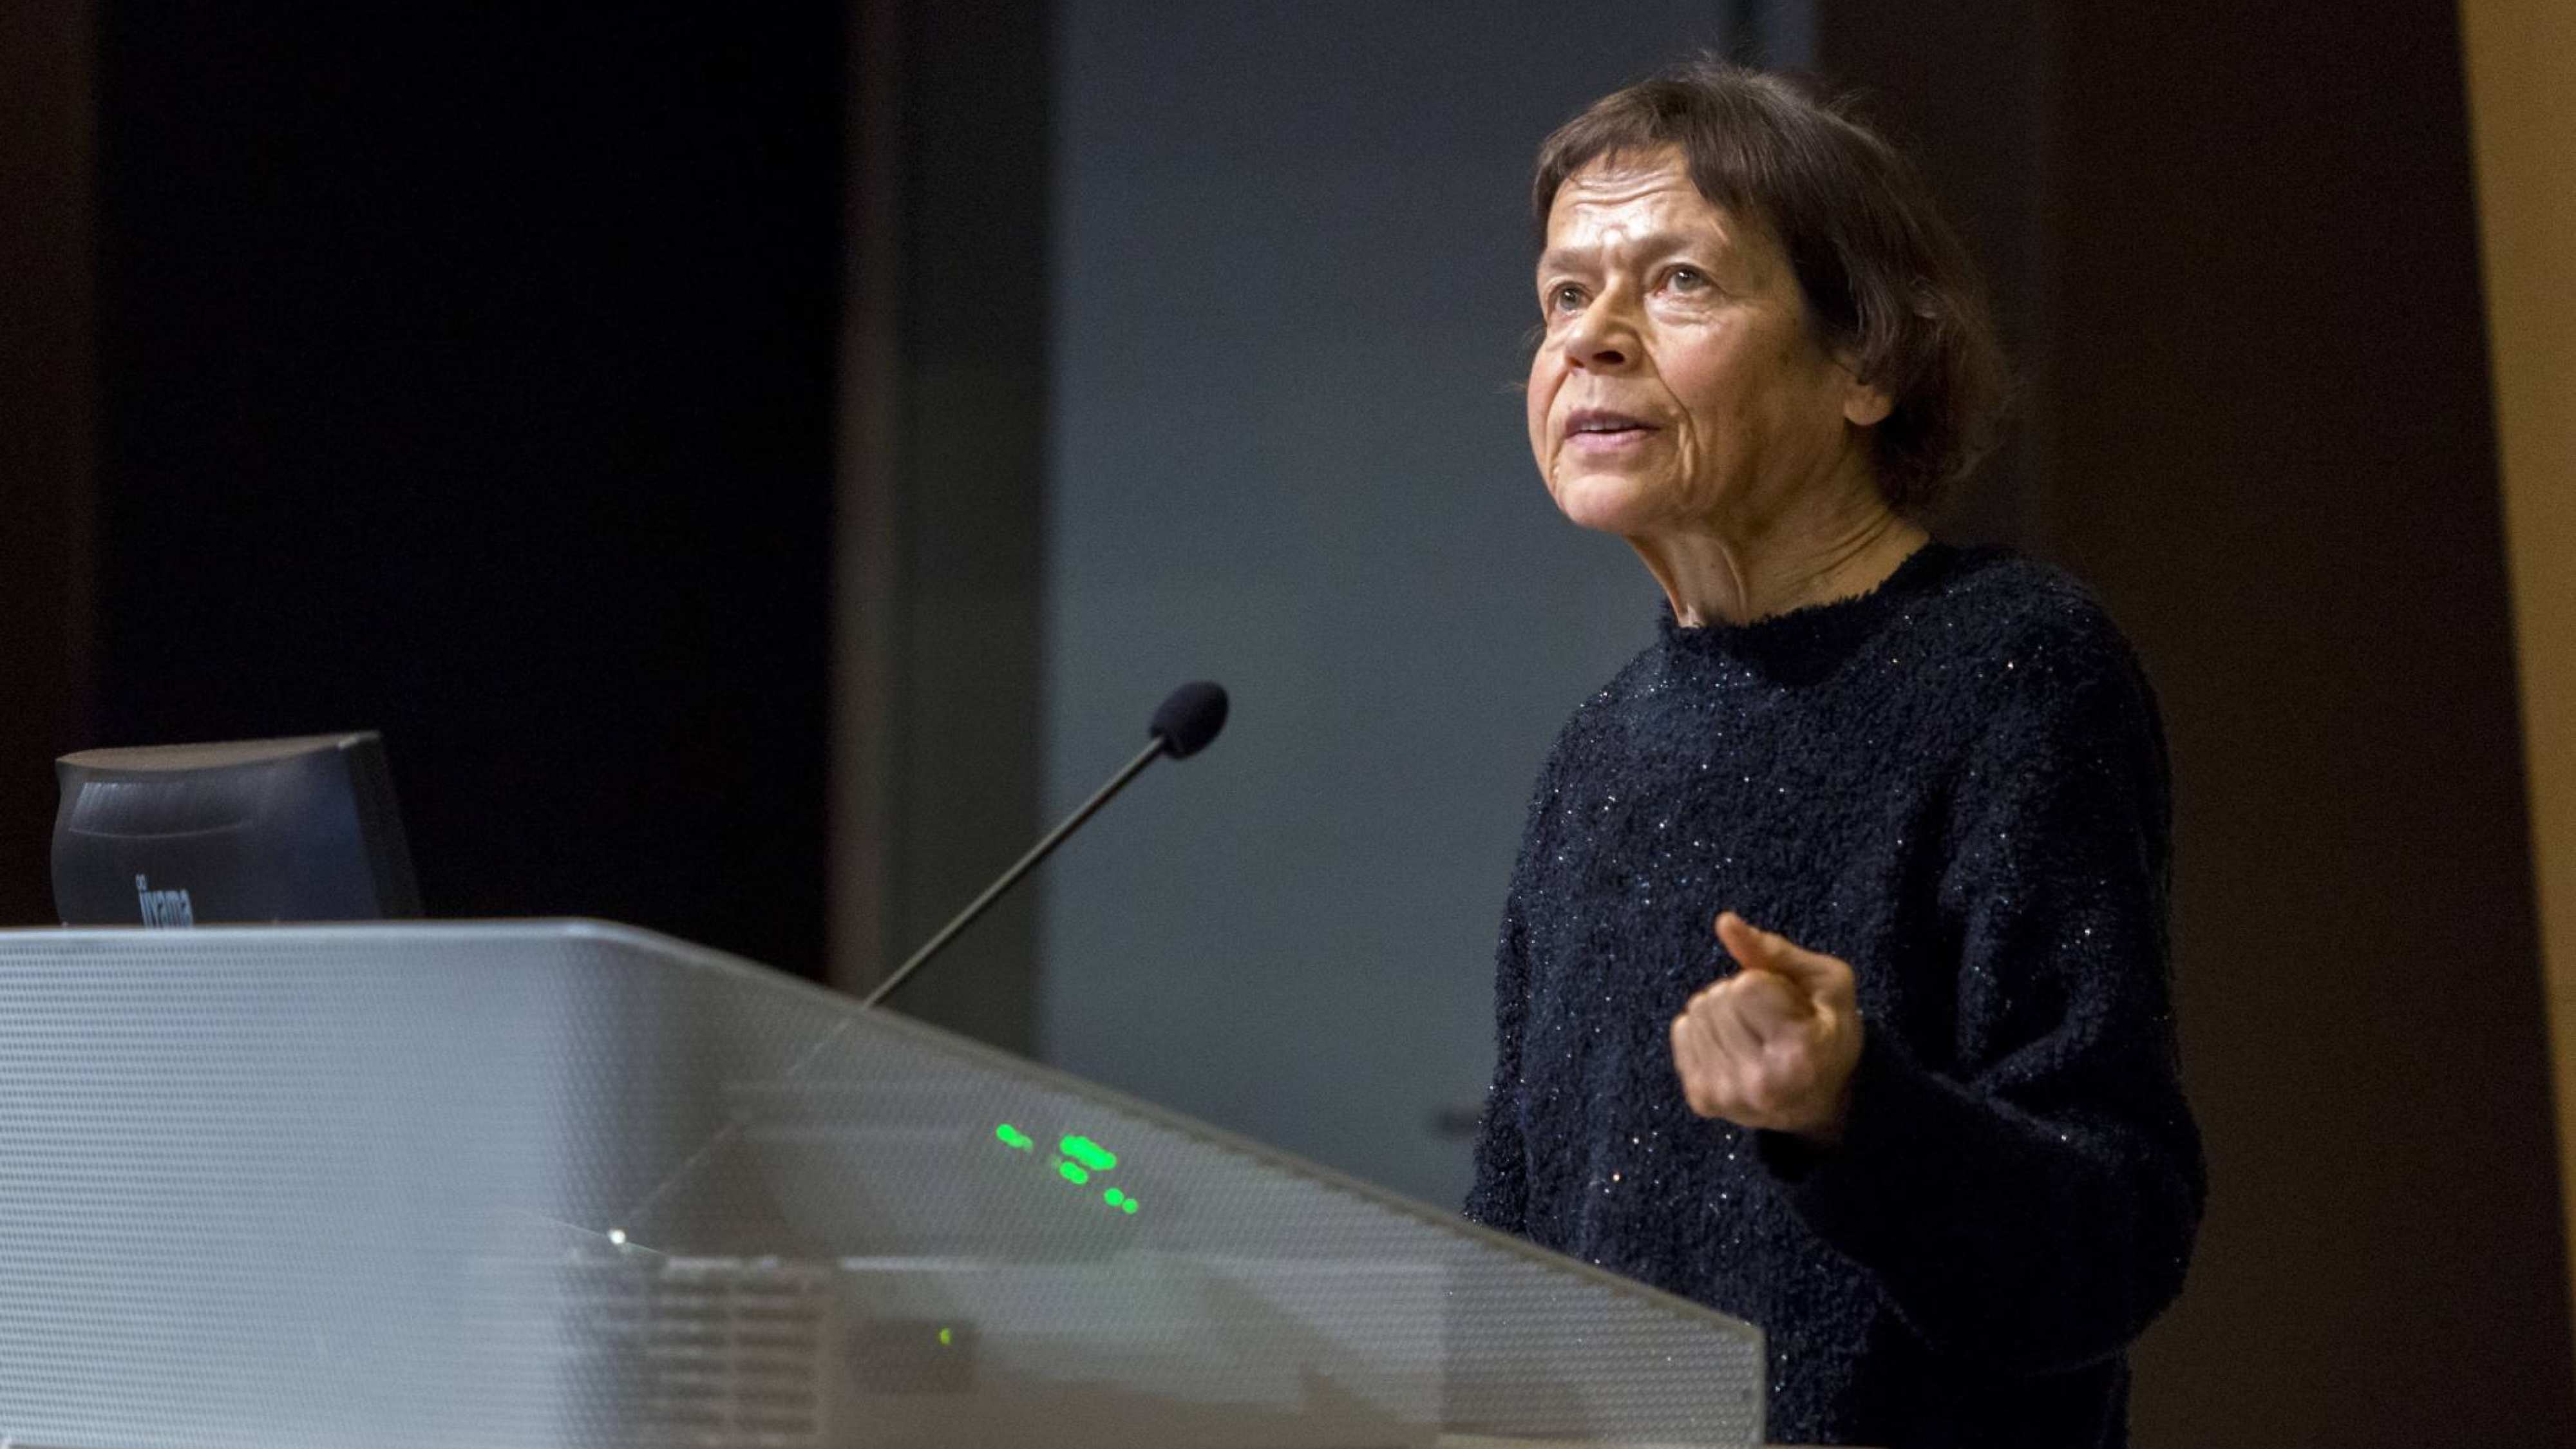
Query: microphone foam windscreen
[[1189, 717]]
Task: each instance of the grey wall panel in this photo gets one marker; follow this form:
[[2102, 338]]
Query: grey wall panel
[[1292, 282]]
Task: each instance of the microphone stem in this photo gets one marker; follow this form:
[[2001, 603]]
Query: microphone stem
[[1027, 863]]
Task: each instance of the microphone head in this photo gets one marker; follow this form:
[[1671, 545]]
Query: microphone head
[[1189, 717]]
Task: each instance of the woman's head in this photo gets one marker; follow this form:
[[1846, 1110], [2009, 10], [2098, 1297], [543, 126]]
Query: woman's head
[[1761, 282]]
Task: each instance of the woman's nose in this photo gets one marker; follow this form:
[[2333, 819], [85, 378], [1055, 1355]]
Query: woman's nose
[[1601, 340]]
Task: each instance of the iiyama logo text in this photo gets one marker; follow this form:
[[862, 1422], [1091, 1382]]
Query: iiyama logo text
[[164, 908]]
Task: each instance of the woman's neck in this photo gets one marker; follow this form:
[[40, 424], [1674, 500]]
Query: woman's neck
[[1735, 575]]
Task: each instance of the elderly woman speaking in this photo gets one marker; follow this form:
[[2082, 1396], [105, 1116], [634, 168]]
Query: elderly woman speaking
[[1914, 1109]]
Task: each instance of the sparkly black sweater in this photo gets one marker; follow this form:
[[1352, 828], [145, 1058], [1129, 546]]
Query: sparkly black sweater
[[1956, 783]]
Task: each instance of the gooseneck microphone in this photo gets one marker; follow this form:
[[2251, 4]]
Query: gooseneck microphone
[[1188, 718]]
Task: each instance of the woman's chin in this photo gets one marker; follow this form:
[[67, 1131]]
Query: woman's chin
[[1609, 503]]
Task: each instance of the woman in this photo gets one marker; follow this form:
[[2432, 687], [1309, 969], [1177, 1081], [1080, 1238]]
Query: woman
[[1914, 1110]]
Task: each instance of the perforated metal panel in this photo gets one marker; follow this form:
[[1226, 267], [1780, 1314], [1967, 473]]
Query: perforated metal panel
[[573, 1184]]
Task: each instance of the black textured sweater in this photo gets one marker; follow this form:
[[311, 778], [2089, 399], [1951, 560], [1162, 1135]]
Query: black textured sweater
[[1957, 784]]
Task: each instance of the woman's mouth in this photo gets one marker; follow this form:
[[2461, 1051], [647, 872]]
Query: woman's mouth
[[1600, 430]]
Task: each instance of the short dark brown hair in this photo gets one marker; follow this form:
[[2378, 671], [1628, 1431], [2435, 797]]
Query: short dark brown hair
[[1888, 284]]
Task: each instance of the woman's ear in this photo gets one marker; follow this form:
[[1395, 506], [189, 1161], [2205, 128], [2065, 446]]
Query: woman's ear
[[1866, 407]]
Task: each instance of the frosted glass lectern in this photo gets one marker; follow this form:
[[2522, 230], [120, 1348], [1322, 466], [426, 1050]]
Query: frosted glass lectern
[[568, 1184]]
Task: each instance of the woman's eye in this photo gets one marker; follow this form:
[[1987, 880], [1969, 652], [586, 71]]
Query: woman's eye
[[1686, 279], [1565, 297]]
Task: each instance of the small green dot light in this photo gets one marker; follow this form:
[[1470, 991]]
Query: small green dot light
[[1089, 1153], [1013, 1138], [1073, 1172], [1113, 1197], [1127, 1205], [947, 1336]]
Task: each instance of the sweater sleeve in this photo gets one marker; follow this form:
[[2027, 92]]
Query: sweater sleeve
[[1499, 1195], [2034, 1209]]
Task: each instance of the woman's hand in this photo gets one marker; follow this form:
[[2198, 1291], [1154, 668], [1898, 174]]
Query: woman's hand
[[1774, 1045]]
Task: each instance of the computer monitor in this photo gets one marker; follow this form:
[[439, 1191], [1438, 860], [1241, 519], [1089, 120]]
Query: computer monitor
[[252, 831]]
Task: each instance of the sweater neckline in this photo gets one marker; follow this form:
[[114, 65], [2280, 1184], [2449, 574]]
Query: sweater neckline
[[1808, 642]]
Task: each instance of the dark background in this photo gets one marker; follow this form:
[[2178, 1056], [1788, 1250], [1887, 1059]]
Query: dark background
[[616, 409], [469, 378]]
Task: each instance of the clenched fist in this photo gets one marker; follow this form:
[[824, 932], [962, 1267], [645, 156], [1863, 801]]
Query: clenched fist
[[1773, 1045]]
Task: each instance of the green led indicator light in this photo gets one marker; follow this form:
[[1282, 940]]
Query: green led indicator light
[[1081, 1160], [1089, 1153], [947, 1336]]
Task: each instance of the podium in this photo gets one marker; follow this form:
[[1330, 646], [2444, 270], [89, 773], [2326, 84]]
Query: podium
[[575, 1184]]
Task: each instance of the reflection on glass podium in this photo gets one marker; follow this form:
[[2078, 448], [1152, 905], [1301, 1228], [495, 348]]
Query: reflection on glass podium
[[575, 1184]]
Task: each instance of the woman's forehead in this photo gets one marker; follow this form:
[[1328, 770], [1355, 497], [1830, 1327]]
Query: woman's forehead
[[1632, 200]]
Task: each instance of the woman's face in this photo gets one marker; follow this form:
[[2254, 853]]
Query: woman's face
[[1678, 386]]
